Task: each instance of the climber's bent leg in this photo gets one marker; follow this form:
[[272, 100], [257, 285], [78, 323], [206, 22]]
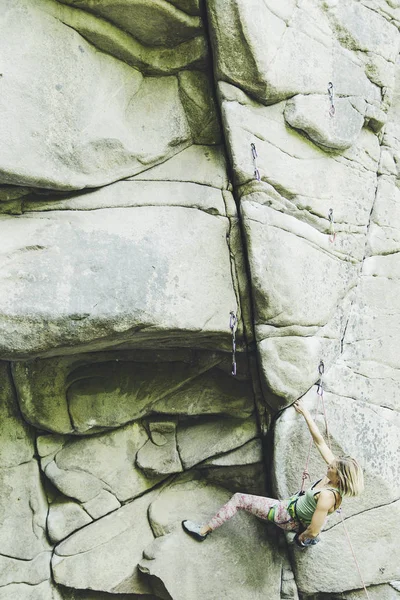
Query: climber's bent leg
[[256, 505]]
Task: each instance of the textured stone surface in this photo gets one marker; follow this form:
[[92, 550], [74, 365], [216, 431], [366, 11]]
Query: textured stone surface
[[311, 115], [62, 394], [23, 506], [152, 23], [20, 591], [159, 455], [149, 293], [211, 437], [199, 164], [125, 194], [375, 592], [86, 468], [103, 555], [241, 550], [78, 143], [134, 217], [16, 438], [64, 518]]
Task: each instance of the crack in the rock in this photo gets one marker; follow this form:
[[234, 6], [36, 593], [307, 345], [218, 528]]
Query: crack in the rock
[[354, 516], [24, 560], [221, 454], [334, 254], [192, 181], [212, 211]]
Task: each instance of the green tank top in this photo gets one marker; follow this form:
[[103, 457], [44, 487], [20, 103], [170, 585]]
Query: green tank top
[[306, 504]]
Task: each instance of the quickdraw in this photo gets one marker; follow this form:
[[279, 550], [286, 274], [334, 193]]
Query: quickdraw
[[332, 232], [331, 94], [233, 325], [320, 393], [255, 156]]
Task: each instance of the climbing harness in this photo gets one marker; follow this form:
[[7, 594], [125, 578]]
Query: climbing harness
[[255, 155], [233, 324], [331, 94], [332, 232], [320, 393]]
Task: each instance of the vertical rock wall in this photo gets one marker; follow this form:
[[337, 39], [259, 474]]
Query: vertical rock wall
[[165, 163]]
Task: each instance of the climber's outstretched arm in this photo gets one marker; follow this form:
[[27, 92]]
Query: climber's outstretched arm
[[322, 446]]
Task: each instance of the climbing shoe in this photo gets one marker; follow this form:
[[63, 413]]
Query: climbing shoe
[[307, 543], [194, 530]]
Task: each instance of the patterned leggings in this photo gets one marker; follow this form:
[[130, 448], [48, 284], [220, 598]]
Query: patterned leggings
[[258, 506]]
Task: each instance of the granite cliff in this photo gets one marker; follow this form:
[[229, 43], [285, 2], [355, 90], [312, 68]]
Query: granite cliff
[[164, 164]]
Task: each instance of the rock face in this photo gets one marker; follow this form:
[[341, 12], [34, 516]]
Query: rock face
[[198, 204]]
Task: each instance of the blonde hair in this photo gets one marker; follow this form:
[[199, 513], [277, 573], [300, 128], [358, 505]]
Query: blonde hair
[[350, 475]]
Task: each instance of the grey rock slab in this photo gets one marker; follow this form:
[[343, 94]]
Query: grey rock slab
[[45, 388], [124, 194], [311, 178], [193, 500], [197, 97], [286, 257], [239, 556], [20, 591], [127, 390], [238, 38], [153, 23], [163, 278], [87, 466], [64, 518], [311, 115], [360, 28], [23, 508], [102, 504], [69, 144], [375, 592], [289, 364], [198, 164], [247, 454], [384, 236], [108, 38], [75, 484], [159, 431], [103, 555], [368, 367], [273, 56], [375, 548], [159, 455], [248, 479], [32, 572], [208, 437], [49, 445], [213, 392], [16, 438]]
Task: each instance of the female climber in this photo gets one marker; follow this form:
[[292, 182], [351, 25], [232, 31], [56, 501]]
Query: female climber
[[305, 513]]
